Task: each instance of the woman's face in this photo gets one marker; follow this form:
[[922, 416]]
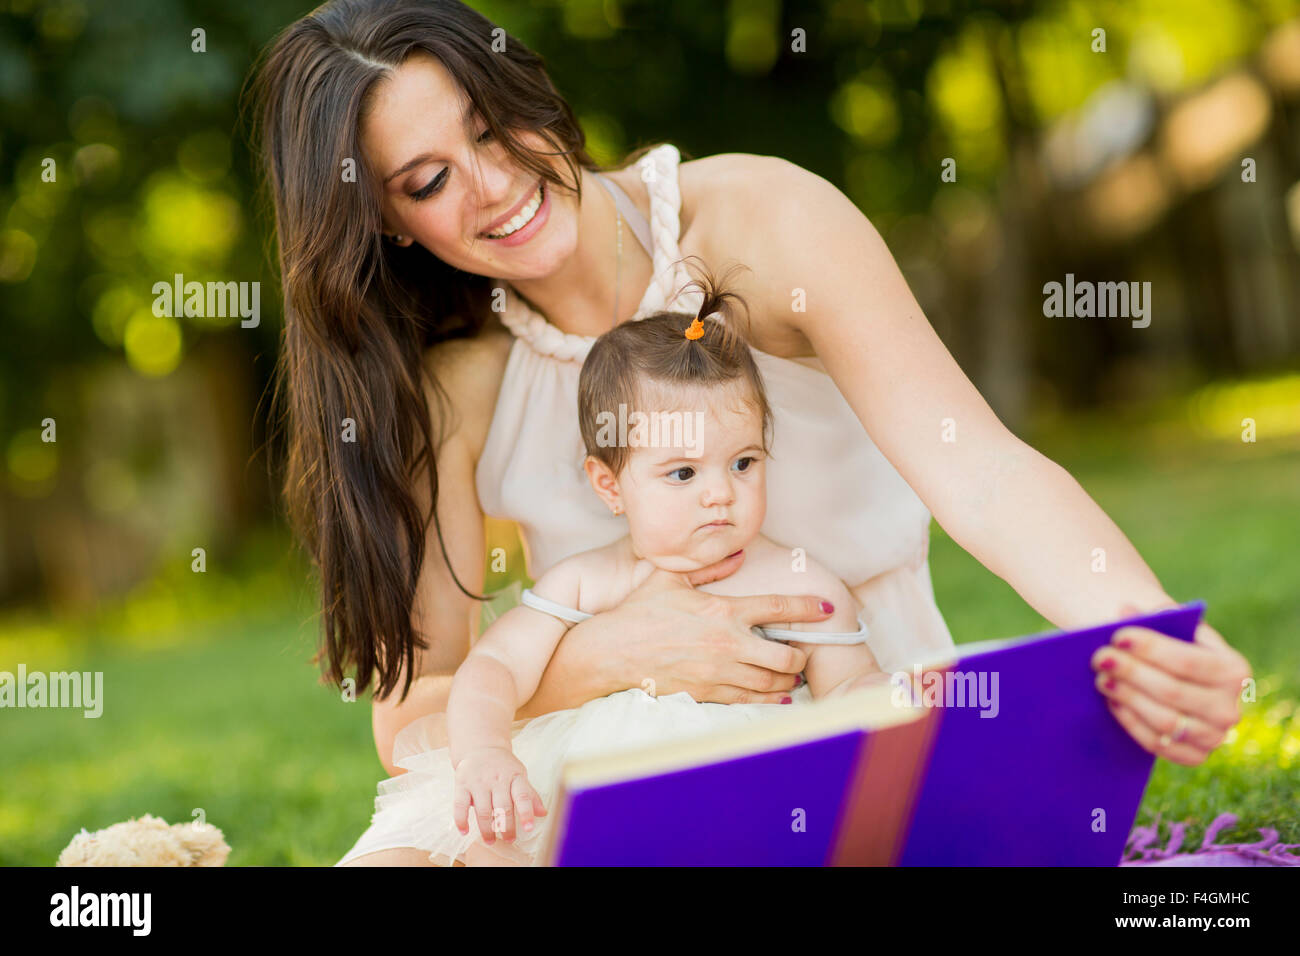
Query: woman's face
[[452, 192], [690, 505]]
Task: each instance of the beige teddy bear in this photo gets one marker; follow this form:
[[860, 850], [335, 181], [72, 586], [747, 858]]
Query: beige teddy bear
[[148, 841]]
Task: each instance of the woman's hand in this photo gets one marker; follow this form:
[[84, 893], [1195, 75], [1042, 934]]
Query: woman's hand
[[675, 638], [667, 637], [1178, 700]]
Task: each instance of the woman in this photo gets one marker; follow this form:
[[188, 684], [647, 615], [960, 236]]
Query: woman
[[449, 250]]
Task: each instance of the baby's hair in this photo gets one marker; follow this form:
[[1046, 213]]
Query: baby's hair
[[630, 359]]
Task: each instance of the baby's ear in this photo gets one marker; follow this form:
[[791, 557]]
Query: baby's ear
[[603, 482]]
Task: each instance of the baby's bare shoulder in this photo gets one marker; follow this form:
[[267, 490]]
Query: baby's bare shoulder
[[780, 570], [593, 581]]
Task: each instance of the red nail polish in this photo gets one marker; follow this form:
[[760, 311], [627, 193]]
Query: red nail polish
[[786, 700], [828, 607], [1124, 643], [798, 679], [1108, 664], [1110, 684]]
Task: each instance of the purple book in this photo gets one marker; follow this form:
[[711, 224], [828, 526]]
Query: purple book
[[1006, 755]]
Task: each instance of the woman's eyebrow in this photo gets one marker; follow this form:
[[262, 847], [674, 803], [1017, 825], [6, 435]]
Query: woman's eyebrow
[[425, 157]]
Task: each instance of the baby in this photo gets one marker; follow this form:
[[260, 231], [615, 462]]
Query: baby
[[675, 422]]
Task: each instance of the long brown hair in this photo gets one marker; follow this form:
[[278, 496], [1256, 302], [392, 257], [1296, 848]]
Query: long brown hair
[[360, 311], [631, 358]]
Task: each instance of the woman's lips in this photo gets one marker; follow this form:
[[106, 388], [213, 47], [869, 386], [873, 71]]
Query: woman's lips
[[520, 236]]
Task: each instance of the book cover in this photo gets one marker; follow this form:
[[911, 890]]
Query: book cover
[[1002, 754]]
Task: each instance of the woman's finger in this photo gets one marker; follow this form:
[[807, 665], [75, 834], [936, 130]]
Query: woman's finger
[[780, 608], [1181, 752], [730, 694], [716, 571], [1198, 663], [1210, 703], [768, 655], [1164, 721], [761, 680]]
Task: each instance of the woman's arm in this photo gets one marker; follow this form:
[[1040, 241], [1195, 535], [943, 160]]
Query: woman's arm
[[1021, 515], [469, 371]]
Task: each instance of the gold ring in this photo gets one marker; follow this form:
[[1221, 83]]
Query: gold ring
[[1180, 729]]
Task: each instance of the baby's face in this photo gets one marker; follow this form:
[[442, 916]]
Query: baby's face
[[692, 503]]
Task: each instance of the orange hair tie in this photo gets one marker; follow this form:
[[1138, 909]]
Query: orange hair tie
[[696, 329]]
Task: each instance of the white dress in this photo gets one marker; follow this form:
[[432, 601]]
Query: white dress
[[829, 489]]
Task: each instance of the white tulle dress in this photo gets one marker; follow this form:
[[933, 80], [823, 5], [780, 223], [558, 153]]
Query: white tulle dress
[[415, 808]]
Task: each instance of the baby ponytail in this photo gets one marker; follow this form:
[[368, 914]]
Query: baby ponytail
[[674, 349]]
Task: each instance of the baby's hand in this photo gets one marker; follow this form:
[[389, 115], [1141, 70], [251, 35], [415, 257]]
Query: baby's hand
[[495, 783]]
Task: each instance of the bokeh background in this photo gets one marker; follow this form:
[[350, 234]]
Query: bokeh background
[[1173, 156]]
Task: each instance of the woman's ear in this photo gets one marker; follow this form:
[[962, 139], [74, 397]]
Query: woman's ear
[[604, 483]]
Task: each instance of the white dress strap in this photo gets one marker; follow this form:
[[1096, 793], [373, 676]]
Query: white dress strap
[[574, 616]]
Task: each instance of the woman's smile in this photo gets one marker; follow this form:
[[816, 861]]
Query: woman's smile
[[524, 221]]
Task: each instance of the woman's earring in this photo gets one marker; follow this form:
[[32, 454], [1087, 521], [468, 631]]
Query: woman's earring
[[618, 510], [397, 240]]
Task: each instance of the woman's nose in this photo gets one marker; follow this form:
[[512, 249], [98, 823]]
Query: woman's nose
[[497, 180]]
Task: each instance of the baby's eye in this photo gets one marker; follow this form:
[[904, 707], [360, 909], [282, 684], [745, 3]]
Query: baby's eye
[[682, 474], [743, 464]]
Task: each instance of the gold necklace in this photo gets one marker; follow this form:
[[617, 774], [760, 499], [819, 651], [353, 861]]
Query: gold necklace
[[618, 269]]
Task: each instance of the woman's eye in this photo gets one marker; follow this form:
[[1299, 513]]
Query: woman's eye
[[433, 186], [686, 473], [486, 135]]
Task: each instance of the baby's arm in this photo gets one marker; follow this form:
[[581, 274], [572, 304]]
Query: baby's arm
[[836, 668], [500, 674]]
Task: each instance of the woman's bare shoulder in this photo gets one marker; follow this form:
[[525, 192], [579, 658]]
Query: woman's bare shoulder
[[469, 371], [731, 200], [746, 209], [712, 187]]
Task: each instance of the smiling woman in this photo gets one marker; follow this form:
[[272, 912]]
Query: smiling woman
[[360, 312], [444, 300]]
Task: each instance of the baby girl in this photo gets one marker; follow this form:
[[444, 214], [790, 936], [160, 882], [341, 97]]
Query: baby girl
[[689, 476]]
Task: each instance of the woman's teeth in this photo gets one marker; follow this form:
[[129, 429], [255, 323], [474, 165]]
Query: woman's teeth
[[524, 217]]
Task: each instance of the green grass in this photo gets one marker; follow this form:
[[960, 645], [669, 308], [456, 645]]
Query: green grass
[[226, 715], [231, 722]]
